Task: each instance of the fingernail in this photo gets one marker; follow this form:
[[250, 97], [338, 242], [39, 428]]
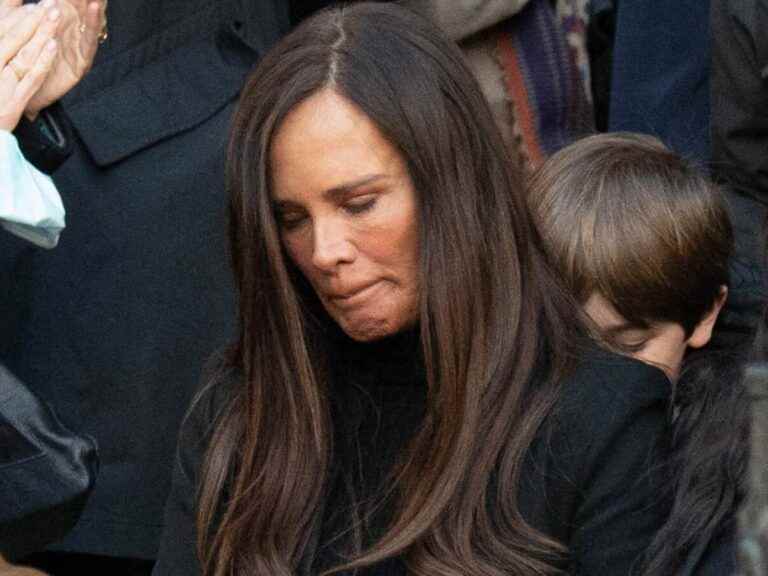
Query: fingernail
[[48, 3], [51, 45], [54, 14]]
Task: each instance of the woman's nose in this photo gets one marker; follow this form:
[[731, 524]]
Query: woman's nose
[[331, 245]]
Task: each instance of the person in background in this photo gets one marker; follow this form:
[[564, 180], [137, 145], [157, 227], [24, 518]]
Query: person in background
[[654, 89], [643, 239], [705, 106], [30, 205], [28, 54], [739, 132], [46, 471], [528, 57], [410, 390], [113, 326], [739, 92]]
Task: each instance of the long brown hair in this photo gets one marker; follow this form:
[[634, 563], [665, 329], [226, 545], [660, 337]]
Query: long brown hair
[[485, 321]]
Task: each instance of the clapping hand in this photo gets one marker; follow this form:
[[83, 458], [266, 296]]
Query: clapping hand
[[28, 51], [82, 24]]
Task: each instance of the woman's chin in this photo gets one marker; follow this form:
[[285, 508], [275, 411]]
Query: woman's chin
[[374, 319], [368, 330]]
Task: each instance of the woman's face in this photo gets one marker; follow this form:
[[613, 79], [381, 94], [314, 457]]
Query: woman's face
[[347, 212]]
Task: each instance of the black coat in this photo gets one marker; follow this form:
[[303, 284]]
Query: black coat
[[739, 93], [112, 327], [591, 480], [739, 127]]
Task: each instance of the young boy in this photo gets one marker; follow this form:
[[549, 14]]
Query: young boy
[[641, 238]]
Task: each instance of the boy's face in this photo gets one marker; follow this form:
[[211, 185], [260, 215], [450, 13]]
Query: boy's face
[[663, 344]]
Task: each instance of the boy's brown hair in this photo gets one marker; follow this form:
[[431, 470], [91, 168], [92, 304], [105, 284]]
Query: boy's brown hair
[[624, 217]]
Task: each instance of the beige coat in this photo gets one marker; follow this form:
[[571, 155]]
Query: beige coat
[[468, 22], [460, 19]]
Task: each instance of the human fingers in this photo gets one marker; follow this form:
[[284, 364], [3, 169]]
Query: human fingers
[[35, 77], [18, 94], [79, 6], [28, 54], [7, 5], [94, 30], [90, 13], [17, 28], [10, 16]]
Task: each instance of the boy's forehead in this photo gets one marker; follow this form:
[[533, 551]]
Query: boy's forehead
[[612, 325], [604, 314]]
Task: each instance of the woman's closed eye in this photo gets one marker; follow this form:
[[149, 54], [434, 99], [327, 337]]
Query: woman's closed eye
[[360, 205], [289, 219]]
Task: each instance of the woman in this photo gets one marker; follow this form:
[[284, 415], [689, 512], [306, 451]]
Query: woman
[[404, 394]]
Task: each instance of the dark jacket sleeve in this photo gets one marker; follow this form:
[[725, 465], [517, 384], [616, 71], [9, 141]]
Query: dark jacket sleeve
[[597, 483], [739, 122], [177, 555], [739, 319], [740, 94], [46, 471]]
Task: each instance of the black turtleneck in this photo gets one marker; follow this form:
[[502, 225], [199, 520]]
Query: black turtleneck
[[377, 402]]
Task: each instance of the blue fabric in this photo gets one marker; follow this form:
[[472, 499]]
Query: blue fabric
[[30, 205], [660, 75], [597, 6]]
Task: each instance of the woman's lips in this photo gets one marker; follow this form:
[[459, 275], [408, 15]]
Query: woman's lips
[[351, 297]]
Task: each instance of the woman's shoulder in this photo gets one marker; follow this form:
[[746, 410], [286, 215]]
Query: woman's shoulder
[[607, 403], [593, 475], [602, 383]]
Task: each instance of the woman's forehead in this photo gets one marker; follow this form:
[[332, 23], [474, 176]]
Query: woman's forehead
[[326, 143]]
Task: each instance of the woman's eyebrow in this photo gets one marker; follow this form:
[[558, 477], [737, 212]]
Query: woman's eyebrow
[[338, 192], [335, 194]]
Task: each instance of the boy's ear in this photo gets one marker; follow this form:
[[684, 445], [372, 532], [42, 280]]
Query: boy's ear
[[703, 331]]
